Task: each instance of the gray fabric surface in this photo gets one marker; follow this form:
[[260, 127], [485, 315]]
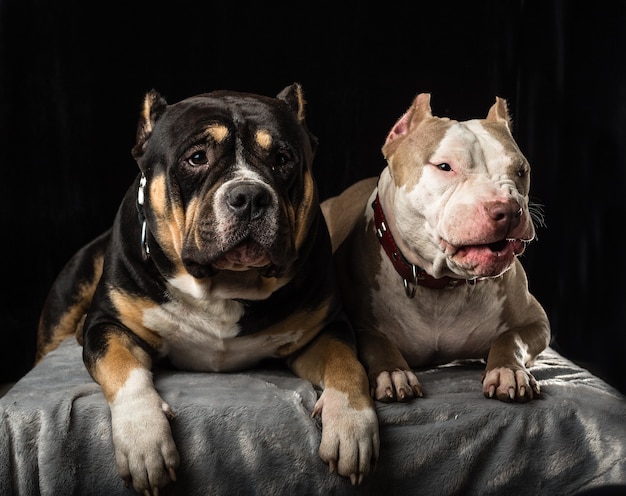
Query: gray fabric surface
[[252, 433]]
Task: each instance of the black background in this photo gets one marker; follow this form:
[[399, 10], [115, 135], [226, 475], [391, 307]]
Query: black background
[[72, 76]]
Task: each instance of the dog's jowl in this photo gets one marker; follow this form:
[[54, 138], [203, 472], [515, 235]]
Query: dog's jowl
[[219, 257], [427, 255]]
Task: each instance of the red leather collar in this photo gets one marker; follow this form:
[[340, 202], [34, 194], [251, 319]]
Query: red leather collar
[[412, 275]]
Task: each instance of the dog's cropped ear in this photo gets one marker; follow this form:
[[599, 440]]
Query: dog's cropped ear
[[153, 107], [419, 110], [499, 112], [294, 97]]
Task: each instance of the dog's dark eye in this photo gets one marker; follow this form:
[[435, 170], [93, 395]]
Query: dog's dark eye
[[444, 167], [521, 172], [198, 158], [282, 159]]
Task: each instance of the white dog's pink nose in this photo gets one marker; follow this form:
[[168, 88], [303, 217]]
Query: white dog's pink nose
[[505, 215]]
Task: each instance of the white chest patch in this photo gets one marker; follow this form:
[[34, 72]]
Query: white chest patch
[[438, 325], [202, 332]]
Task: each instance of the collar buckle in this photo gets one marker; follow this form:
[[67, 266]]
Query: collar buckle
[[142, 218], [410, 286]]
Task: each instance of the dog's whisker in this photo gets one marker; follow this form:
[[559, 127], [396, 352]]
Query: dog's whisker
[[512, 240], [536, 211]]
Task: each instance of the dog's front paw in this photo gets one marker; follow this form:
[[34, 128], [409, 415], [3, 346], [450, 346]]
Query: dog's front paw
[[350, 441], [145, 451], [399, 385], [510, 384]]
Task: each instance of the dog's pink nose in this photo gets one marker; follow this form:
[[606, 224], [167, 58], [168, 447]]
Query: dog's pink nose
[[504, 213]]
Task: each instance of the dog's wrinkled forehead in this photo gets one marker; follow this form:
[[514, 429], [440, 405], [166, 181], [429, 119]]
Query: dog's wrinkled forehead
[[485, 146], [226, 121], [475, 144]]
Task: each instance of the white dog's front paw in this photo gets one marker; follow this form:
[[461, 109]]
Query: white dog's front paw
[[145, 451], [399, 385], [510, 384], [350, 440]]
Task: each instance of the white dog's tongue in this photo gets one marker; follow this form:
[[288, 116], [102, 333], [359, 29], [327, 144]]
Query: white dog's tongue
[[489, 260]]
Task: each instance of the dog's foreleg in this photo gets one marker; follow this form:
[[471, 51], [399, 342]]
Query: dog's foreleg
[[145, 451], [350, 438], [506, 375], [390, 376]]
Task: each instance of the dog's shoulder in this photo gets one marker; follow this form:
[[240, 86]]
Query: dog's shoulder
[[343, 211]]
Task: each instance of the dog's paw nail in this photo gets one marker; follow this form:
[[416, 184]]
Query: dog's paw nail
[[522, 392], [353, 479], [512, 393], [172, 474], [492, 391], [332, 466]]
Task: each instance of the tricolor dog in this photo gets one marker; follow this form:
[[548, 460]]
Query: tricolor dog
[[219, 257], [427, 255]]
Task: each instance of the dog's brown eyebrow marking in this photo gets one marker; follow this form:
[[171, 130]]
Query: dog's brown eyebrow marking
[[263, 138], [218, 132]]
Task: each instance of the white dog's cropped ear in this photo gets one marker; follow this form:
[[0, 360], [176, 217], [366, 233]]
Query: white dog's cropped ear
[[153, 107], [419, 110], [499, 111]]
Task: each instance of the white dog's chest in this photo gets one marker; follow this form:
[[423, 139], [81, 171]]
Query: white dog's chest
[[438, 325]]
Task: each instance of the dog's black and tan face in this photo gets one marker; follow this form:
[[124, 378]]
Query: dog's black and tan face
[[228, 180]]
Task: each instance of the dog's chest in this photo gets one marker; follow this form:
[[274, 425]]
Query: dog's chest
[[439, 325], [206, 336]]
